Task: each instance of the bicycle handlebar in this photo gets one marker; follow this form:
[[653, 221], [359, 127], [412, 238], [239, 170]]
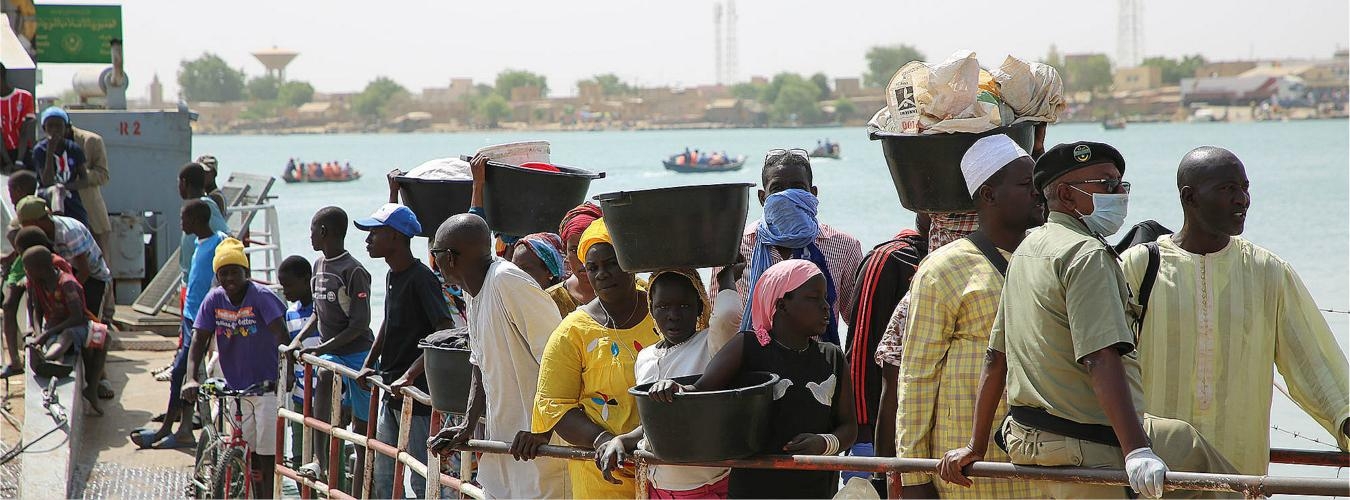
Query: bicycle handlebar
[[216, 387]]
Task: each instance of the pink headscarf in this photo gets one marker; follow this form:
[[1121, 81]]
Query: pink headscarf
[[777, 281]]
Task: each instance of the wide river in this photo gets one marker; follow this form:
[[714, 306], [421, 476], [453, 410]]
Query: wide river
[[1298, 171]]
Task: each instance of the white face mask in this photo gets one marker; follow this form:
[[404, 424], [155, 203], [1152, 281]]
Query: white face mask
[[1108, 212]]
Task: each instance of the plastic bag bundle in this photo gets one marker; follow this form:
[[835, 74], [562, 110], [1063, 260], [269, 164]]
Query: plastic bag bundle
[[923, 99], [1034, 91]]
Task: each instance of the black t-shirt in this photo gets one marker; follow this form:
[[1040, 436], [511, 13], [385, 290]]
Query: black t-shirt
[[341, 288], [807, 406], [413, 306]]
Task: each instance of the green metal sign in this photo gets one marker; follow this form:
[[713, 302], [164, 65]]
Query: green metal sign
[[77, 33]]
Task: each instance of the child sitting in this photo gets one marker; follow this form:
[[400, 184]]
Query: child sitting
[[59, 307], [23, 239], [247, 322], [813, 410], [692, 331]]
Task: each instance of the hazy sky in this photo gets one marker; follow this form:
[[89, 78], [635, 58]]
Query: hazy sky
[[343, 44]]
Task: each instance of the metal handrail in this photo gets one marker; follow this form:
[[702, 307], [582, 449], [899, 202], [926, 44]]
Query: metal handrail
[[1194, 481], [1248, 485], [402, 459]]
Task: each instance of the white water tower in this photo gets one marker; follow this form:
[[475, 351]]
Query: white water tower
[[275, 60]]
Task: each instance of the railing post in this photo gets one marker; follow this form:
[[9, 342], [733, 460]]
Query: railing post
[[337, 461], [306, 441], [433, 459], [374, 413], [404, 428]]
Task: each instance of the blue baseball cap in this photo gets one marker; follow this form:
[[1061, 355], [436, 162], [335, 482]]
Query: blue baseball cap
[[392, 215]]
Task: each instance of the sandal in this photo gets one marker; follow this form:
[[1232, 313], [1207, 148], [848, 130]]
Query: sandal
[[105, 390], [309, 470], [171, 442], [142, 437]]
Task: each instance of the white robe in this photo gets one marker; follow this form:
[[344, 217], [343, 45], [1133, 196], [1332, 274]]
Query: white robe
[[510, 321]]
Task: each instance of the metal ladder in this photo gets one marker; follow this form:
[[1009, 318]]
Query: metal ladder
[[266, 243]]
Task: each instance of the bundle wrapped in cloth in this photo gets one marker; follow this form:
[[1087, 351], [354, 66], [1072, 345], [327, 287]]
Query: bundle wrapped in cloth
[[957, 96], [1034, 91]]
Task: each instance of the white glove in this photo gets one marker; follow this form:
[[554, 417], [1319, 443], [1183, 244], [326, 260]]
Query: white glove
[[1147, 472]]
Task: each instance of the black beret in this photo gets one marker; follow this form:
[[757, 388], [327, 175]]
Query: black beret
[[1065, 158]]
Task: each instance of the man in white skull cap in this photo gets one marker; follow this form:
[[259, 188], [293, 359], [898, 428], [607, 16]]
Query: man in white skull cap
[[953, 300]]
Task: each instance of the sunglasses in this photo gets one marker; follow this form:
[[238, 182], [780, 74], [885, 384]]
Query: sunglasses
[[1111, 185], [777, 154], [436, 252]]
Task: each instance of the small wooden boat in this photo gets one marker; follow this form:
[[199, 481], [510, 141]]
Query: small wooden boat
[[826, 150], [356, 174], [675, 163], [1113, 124]]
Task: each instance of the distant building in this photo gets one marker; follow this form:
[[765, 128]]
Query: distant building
[[526, 93], [759, 80], [1223, 69], [156, 93], [1137, 78], [847, 87], [459, 87], [1229, 90]]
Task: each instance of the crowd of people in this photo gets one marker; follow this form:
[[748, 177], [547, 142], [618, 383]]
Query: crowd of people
[[1014, 332]]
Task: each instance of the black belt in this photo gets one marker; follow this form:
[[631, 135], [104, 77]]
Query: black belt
[[1037, 418]]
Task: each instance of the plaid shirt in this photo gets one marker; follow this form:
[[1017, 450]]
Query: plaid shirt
[[945, 229], [953, 301], [842, 252]]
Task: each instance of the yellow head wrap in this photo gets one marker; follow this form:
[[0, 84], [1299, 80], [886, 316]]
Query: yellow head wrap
[[693, 277], [596, 233], [229, 252]]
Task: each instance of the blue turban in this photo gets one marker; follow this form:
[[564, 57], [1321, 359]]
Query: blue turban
[[789, 222]]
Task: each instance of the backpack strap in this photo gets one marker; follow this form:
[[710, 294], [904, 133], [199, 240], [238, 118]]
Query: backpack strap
[[990, 252], [1146, 286]]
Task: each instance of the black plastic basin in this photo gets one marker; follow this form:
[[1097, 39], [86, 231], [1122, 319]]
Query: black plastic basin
[[448, 372], [926, 169], [686, 226], [434, 200], [714, 425], [521, 201]]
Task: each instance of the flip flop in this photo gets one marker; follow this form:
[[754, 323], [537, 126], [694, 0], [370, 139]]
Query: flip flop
[[105, 390], [141, 437], [171, 441]]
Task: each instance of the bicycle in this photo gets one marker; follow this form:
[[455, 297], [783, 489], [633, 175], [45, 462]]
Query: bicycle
[[222, 464]]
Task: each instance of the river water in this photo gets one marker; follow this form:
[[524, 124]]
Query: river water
[[1298, 171]]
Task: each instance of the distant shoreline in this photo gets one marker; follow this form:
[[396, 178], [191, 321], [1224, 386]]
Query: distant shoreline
[[645, 128]]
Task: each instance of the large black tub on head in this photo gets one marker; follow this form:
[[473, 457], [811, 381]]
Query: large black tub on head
[[926, 169], [520, 201], [686, 226], [447, 370], [434, 200], [714, 425]]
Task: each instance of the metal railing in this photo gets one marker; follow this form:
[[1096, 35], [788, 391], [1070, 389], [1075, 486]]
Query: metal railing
[[1250, 486], [337, 436]]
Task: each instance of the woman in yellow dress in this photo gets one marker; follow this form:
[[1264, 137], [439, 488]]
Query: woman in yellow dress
[[587, 369]]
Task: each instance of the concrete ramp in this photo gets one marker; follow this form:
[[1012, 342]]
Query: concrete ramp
[[53, 418]]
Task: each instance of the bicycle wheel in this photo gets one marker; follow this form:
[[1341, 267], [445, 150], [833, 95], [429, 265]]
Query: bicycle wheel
[[204, 467], [231, 477]]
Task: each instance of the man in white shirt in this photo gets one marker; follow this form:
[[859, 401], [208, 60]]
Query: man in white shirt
[[510, 321]]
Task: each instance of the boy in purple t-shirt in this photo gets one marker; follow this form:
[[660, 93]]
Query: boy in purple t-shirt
[[248, 324]]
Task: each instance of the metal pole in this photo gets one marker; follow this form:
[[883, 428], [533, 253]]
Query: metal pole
[[1248, 485]]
